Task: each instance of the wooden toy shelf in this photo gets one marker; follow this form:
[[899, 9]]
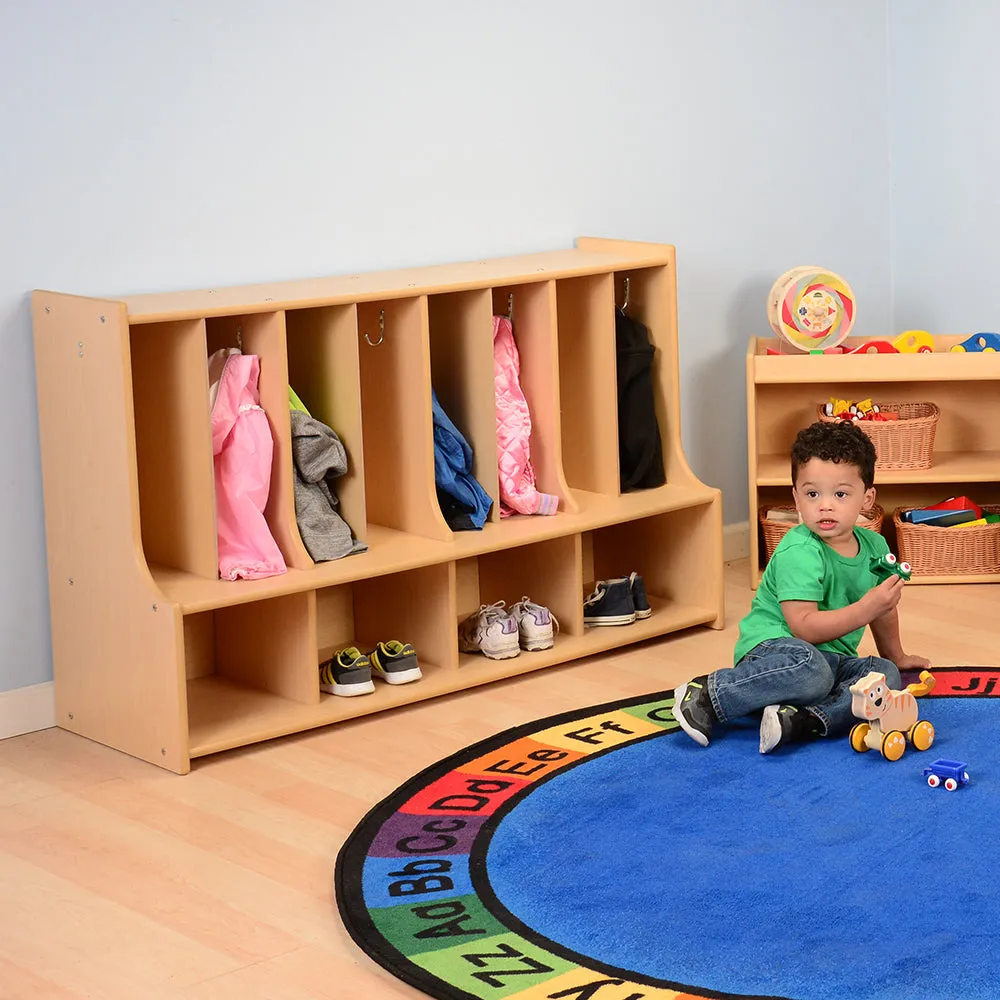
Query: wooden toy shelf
[[782, 393], [158, 657]]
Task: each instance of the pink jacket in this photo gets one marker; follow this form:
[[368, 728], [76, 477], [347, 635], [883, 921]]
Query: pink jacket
[[518, 494], [242, 445]]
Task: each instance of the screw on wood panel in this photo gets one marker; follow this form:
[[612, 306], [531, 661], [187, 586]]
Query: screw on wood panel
[[79, 348], [102, 319], [154, 607], [47, 309], [70, 716], [163, 751], [71, 581], [267, 298]]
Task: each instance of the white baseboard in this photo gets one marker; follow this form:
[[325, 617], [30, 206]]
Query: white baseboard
[[27, 709], [735, 541]]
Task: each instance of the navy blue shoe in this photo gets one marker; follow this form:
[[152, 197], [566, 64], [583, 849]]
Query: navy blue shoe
[[638, 588], [610, 604]]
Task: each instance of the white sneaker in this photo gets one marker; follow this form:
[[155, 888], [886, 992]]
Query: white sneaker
[[536, 625], [492, 631]]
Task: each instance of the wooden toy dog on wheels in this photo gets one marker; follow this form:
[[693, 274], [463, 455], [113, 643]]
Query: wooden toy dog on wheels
[[891, 717]]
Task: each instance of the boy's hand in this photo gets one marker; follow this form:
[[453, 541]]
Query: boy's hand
[[883, 598], [911, 662]]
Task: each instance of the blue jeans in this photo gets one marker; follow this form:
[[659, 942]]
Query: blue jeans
[[794, 672]]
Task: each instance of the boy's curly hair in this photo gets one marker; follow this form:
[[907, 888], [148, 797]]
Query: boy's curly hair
[[840, 442]]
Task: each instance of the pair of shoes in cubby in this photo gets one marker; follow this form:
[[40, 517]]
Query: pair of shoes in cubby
[[621, 601], [349, 672], [500, 632]]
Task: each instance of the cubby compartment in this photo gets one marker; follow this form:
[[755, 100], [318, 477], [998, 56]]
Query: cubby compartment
[[587, 383], [323, 372], [531, 309], [546, 572], [675, 553], [394, 369], [263, 334], [642, 293], [415, 606], [248, 666], [173, 436], [461, 346]]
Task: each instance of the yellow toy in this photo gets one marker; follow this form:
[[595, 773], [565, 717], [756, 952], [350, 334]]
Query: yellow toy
[[914, 342], [891, 716]]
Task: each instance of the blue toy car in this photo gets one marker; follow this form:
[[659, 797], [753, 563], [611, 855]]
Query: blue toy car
[[952, 772]]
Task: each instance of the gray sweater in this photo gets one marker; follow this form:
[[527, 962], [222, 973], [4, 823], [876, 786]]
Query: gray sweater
[[319, 457]]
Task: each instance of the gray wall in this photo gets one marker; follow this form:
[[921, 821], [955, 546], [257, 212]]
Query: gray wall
[[174, 143]]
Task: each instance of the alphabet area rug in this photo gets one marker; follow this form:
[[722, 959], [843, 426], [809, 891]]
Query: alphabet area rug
[[603, 855]]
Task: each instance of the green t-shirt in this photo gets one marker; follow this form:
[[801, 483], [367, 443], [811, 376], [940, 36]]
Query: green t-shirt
[[805, 568]]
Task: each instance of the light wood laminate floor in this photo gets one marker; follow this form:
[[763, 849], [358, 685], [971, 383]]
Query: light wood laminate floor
[[126, 882]]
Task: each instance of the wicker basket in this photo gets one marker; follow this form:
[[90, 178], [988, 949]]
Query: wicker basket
[[954, 551], [774, 531], [906, 443]]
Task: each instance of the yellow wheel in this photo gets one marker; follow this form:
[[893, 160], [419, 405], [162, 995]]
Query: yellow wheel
[[893, 745], [922, 735], [858, 734]]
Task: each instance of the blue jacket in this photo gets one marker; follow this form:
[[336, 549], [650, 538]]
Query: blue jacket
[[465, 504]]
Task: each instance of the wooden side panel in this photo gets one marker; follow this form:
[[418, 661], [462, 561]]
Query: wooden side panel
[[174, 446], [117, 646], [534, 322], [323, 371], [752, 456], [394, 360], [271, 646], [461, 339], [587, 382], [334, 619], [263, 334]]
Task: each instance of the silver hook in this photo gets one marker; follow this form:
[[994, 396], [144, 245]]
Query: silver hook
[[510, 307], [381, 330], [627, 291]]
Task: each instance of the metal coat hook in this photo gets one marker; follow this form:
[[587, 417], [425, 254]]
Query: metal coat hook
[[627, 291], [381, 330], [510, 307]]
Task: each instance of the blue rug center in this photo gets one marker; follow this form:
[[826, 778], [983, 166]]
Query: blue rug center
[[816, 873]]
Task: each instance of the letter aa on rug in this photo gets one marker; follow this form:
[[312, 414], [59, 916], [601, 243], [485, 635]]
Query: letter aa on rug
[[603, 855]]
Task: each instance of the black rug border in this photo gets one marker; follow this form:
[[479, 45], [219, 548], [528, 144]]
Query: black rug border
[[349, 864]]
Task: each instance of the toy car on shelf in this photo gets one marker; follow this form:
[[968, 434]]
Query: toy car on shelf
[[951, 773], [888, 565]]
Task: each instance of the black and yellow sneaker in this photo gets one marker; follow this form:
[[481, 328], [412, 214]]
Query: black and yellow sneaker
[[693, 709], [784, 724], [346, 674], [395, 662]]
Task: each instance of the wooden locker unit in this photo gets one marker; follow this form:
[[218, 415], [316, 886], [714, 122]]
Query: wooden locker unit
[[156, 656]]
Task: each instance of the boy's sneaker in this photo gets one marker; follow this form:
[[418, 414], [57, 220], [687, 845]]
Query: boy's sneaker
[[347, 674], [395, 662], [492, 631], [610, 604], [536, 625], [693, 710], [784, 724], [639, 599]]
